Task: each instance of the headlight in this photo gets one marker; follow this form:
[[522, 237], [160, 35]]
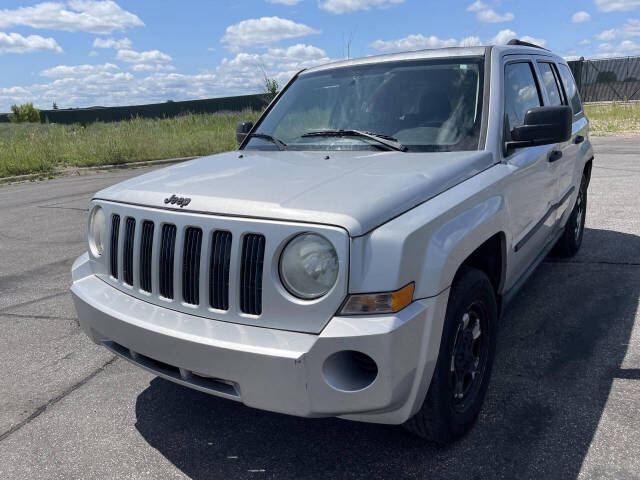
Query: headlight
[[97, 231], [309, 266]]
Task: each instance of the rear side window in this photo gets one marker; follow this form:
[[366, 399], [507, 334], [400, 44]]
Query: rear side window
[[521, 92], [550, 83], [570, 88]]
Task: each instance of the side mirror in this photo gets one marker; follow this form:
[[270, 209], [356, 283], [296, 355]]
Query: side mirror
[[242, 129], [542, 126]]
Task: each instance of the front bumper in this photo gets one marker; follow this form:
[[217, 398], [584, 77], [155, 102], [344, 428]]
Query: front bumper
[[270, 369]]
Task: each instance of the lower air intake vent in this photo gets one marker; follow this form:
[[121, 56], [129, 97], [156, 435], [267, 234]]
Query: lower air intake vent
[[251, 274]]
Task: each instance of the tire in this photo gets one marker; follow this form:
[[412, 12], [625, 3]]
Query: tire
[[444, 415], [571, 240]]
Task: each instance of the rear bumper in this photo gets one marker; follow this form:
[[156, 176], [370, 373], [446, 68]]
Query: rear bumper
[[270, 369]]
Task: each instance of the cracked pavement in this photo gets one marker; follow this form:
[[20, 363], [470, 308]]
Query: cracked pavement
[[564, 401]]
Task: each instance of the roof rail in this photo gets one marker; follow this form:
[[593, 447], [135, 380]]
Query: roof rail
[[515, 41]]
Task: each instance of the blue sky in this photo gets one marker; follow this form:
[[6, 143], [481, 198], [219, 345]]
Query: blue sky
[[80, 53]]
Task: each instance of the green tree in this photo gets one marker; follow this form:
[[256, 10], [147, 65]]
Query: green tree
[[271, 87], [55, 105], [24, 113]]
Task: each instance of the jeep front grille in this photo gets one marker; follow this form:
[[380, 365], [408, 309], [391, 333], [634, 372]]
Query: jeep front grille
[[189, 252]]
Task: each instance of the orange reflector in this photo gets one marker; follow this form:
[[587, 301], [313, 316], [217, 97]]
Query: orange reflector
[[401, 298], [386, 302]]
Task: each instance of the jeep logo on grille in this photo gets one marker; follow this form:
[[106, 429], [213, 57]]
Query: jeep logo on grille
[[180, 201]]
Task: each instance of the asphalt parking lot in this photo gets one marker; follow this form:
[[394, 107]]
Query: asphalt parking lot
[[564, 400]]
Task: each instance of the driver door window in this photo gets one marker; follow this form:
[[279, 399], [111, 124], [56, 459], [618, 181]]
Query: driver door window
[[521, 93]]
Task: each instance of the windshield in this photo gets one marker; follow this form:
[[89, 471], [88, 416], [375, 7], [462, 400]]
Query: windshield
[[425, 105]]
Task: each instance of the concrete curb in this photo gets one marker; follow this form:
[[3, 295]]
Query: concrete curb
[[80, 170]]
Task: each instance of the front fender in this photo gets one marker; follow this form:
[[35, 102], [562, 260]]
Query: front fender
[[427, 244]]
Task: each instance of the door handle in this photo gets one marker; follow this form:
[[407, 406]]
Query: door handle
[[579, 139], [555, 156]]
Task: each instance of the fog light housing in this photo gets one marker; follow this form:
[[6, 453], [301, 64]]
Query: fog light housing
[[349, 370]]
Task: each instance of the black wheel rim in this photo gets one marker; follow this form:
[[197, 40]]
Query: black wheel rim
[[469, 356]]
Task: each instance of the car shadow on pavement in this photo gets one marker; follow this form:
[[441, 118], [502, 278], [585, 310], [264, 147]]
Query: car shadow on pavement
[[561, 345]]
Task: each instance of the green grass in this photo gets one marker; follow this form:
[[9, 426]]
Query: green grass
[[613, 118], [41, 148]]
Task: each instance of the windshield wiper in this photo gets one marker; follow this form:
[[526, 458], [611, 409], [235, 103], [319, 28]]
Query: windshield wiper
[[279, 143], [385, 140]]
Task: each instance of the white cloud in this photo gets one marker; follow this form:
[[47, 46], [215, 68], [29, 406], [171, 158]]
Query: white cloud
[[348, 6], [91, 16], [122, 44], [64, 71], [623, 49], [617, 5], [93, 53], [419, 42], [585, 42], [504, 36], [571, 58], [16, 43], [263, 31], [485, 14], [144, 67], [285, 2], [152, 56], [108, 86], [246, 70], [630, 29], [580, 17]]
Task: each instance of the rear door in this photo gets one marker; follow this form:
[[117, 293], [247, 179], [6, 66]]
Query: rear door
[[569, 167], [532, 186]]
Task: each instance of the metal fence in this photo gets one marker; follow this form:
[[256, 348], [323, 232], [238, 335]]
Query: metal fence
[[608, 80], [156, 110]]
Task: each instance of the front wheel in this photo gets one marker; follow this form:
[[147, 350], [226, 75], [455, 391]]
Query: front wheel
[[463, 368]]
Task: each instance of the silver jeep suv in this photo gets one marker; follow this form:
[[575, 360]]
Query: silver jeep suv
[[353, 256]]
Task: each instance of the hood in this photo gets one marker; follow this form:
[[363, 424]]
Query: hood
[[354, 190]]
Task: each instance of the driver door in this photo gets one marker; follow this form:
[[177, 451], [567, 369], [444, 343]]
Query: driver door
[[532, 186]]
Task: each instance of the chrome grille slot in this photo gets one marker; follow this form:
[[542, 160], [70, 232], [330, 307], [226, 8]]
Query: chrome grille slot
[[113, 251], [219, 270], [167, 251], [127, 251], [251, 274], [146, 250], [191, 265]]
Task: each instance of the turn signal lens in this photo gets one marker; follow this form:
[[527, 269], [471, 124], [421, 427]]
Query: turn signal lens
[[389, 302]]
